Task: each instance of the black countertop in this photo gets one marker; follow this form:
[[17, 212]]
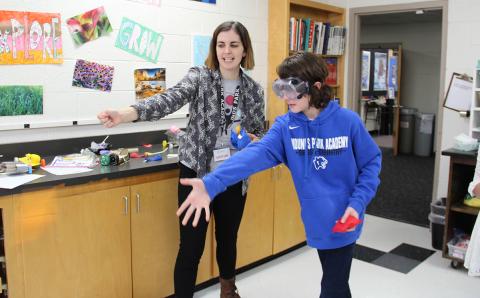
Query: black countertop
[[135, 166], [461, 153]]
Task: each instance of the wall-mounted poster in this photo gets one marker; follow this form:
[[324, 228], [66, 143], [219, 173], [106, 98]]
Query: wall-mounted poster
[[200, 46], [392, 72], [150, 2], [30, 38], [93, 75], [89, 25], [21, 100], [148, 82], [366, 70], [207, 1], [380, 72], [139, 40]]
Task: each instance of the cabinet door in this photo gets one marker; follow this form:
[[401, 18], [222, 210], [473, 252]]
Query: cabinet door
[[11, 238], [155, 239], [76, 245], [255, 236], [288, 227]]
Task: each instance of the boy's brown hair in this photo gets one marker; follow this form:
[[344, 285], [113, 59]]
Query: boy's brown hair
[[311, 68]]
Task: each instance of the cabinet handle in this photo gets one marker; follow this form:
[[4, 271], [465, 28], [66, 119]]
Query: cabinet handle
[[138, 203], [125, 199]]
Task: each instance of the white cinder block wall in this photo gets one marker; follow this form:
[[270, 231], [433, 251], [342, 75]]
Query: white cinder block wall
[[176, 20]]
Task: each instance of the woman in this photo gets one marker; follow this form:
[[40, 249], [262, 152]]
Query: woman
[[221, 97], [334, 162]]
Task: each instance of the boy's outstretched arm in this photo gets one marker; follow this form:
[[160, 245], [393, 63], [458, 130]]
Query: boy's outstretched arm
[[197, 200]]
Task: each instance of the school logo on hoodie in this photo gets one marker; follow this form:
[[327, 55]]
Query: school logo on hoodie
[[320, 148], [320, 162]]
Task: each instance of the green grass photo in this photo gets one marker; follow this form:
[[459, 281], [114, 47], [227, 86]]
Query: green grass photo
[[21, 100]]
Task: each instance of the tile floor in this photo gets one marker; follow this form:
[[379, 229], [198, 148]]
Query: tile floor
[[392, 260]]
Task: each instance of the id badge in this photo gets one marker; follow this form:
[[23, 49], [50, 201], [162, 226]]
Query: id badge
[[221, 154]]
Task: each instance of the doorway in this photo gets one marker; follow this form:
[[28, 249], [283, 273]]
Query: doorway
[[408, 181]]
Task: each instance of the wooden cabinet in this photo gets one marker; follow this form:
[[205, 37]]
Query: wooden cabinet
[[155, 239], [280, 12], [109, 239], [256, 230], [458, 215], [75, 245], [11, 236], [287, 226]]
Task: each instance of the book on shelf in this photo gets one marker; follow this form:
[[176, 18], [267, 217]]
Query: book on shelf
[[316, 37], [331, 79]]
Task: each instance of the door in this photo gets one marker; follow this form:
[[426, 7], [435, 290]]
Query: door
[[155, 239], [76, 245], [287, 223], [255, 236], [396, 106]]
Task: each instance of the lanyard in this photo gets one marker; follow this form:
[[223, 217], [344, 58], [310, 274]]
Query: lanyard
[[224, 122]]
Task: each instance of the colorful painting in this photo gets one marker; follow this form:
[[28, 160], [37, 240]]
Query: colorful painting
[[200, 47], [139, 40], [93, 75], [392, 72], [21, 100], [150, 2], [380, 72], [148, 82], [207, 1], [30, 38], [89, 25], [366, 70]]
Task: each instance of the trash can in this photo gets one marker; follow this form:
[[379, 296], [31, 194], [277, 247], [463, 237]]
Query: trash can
[[407, 127], [423, 134], [437, 223]]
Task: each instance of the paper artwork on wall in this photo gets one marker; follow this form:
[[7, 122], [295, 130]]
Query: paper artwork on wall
[[148, 82], [366, 70], [380, 72], [207, 1], [200, 47], [93, 75], [30, 38], [139, 40], [150, 2], [21, 100], [89, 25]]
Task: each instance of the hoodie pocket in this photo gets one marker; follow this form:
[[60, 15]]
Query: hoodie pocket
[[320, 213]]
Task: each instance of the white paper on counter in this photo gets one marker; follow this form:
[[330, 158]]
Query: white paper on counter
[[12, 181], [65, 171]]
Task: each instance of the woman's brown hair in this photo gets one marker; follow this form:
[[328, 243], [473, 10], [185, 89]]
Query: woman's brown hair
[[311, 68], [247, 62]]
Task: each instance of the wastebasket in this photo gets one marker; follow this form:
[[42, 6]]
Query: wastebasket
[[407, 127], [423, 134], [437, 223]]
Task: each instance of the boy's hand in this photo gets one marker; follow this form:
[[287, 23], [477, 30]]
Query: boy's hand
[[348, 212], [197, 200]]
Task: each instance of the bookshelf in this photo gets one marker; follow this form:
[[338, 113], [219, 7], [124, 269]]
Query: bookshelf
[[475, 108], [280, 13]]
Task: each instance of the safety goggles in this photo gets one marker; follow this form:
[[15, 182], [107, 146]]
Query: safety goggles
[[290, 88]]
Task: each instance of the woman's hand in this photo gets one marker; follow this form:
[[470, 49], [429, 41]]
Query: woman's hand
[[349, 211], [252, 137], [197, 200], [111, 118]]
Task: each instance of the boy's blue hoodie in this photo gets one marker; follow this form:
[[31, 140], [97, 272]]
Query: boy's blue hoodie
[[334, 163]]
